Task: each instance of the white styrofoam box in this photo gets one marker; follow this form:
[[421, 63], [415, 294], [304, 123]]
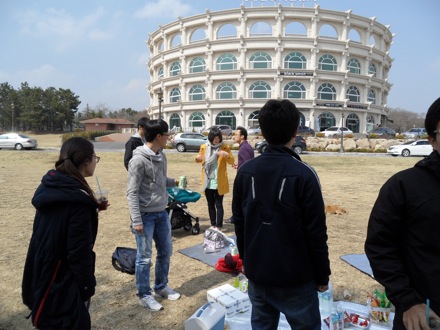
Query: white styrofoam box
[[244, 304], [227, 288], [213, 294], [229, 304]]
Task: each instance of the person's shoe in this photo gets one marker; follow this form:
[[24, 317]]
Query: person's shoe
[[150, 303], [167, 293]]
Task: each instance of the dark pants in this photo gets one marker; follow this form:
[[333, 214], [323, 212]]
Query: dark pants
[[215, 207]]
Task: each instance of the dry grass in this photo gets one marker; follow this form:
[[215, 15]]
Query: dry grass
[[350, 181]]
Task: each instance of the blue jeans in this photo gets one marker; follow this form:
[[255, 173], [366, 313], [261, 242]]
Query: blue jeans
[[157, 227], [300, 305]]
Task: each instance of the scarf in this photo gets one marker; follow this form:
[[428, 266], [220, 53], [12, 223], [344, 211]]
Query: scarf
[[210, 162]]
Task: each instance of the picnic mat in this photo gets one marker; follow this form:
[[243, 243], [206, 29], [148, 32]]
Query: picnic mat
[[359, 261], [197, 252]]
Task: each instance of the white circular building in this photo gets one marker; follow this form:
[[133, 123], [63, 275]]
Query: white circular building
[[221, 67]]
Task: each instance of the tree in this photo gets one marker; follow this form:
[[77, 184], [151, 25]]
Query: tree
[[403, 120], [7, 98]]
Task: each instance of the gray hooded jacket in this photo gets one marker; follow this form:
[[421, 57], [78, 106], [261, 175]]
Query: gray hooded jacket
[[147, 183]]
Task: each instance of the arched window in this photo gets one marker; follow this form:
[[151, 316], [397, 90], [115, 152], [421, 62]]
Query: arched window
[[260, 90], [371, 96], [327, 91], [175, 121], [197, 93], [160, 73], [354, 35], [370, 123], [175, 95], [352, 122], [295, 60], [354, 66], [328, 31], [372, 69], [328, 63], [176, 41], [226, 117], [161, 46], [353, 94], [260, 60], [253, 118], [198, 35], [302, 119], [325, 120], [296, 29], [175, 69], [227, 31], [196, 119], [226, 90], [261, 29], [227, 62], [197, 65], [294, 90]]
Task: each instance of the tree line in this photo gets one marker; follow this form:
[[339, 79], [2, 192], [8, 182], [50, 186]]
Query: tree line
[[51, 109]]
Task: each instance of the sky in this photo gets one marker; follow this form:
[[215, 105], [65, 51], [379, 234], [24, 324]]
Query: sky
[[98, 50]]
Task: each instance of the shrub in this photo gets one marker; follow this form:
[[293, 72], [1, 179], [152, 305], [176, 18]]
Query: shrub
[[400, 136], [320, 134], [89, 135]]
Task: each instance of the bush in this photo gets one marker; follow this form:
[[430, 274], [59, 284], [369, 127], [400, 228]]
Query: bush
[[89, 135], [320, 134]]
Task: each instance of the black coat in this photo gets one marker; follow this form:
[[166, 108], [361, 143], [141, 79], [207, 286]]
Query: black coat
[[279, 220], [134, 142], [60, 264], [403, 238]]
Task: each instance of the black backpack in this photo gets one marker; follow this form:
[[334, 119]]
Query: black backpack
[[124, 259]]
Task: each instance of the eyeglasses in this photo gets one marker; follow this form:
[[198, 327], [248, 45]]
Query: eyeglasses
[[97, 158]]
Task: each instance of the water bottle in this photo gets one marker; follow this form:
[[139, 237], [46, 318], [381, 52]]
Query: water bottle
[[340, 312], [334, 319], [326, 301]]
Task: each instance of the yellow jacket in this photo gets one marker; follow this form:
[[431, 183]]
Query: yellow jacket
[[222, 173]]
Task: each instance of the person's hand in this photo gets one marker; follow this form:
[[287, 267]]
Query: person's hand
[[415, 317], [234, 166], [322, 288], [139, 228], [222, 153], [199, 158]]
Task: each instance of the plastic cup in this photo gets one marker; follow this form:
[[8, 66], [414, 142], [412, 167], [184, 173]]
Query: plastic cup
[[102, 198]]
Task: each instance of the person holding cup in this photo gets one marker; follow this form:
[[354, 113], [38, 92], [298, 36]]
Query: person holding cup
[[59, 271]]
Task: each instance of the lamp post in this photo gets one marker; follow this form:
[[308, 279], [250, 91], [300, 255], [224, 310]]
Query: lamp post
[[160, 99], [341, 149], [12, 114]]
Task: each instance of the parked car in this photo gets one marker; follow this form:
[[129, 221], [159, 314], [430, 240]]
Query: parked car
[[411, 148], [17, 141], [383, 132], [225, 129], [306, 130], [188, 141], [415, 133], [335, 131], [299, 146], [254, 130]]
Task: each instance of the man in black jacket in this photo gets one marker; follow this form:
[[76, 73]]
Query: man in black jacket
[[280, 225], [136, 140], [403, 244]]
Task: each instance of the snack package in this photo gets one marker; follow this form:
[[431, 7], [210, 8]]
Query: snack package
[[380, 307]]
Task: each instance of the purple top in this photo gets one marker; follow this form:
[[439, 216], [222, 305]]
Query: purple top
[[245, 152]]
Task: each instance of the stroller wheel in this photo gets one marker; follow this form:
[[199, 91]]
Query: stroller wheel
[[188, 226], [196, 229]]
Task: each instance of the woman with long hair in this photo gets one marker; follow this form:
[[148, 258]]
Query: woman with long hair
[[59, 272], [214, 155]]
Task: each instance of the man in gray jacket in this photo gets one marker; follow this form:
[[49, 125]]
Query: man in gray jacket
[[147, 199]]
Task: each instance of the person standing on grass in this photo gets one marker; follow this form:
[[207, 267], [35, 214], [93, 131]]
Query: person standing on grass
[[214, 155], [135, 141], [280, 224], [147, 199], [402, 242], [245, 151], [59, 272]]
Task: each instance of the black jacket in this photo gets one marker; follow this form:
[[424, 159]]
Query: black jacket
[[279, 219], [134, 142], [59, 270], [403, 238]]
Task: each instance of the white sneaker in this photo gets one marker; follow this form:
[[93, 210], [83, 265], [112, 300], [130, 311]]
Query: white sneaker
[[167, 293], [150, 303]]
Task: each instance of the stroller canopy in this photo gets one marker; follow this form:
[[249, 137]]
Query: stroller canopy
[[183, 195]]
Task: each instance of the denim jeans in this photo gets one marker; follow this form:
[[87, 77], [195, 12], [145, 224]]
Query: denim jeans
[[215, 207], [300, 305], [157, 227]]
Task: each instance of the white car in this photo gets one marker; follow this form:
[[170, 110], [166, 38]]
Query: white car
[[411, 148], [17, 141], [254, 130], [336, 131]]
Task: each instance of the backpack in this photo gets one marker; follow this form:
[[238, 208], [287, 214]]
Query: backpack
[[124, 259]]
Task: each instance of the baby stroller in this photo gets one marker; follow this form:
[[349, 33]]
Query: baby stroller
[[180, 217]]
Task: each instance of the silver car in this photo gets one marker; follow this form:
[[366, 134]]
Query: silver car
[[17, 141], [188, 141], [414, 133]]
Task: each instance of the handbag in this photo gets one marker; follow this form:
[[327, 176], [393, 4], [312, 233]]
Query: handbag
[[124, 260], [213, 241]]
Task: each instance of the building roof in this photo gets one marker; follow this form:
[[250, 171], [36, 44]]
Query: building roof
[[106, 121]]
